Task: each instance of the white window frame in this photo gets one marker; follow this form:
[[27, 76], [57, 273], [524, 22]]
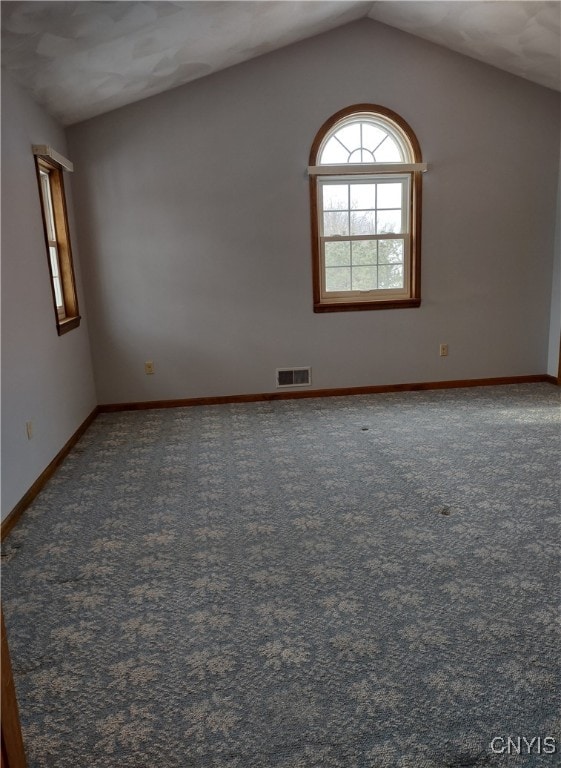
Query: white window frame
[[381, 294]]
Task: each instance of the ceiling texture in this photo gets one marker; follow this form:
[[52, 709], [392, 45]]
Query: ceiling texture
[[81, 59]]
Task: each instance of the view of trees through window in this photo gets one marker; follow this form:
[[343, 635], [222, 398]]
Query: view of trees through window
[[363, 233]]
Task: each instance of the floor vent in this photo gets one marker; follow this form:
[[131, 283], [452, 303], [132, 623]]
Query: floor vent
[[294, 377]]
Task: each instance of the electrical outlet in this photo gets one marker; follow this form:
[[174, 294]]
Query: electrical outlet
[[443, 350], [148, 367], [29, 429]]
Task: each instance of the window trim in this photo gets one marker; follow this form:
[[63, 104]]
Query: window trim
[[69, 318], [338, 304]]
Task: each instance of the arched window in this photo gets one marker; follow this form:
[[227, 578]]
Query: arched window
[[365, 185]]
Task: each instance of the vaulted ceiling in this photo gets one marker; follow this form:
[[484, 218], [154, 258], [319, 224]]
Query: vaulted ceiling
[[81, 59]]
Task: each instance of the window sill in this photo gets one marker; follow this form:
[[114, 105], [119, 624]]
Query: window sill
[[357, 306], [68, 324]]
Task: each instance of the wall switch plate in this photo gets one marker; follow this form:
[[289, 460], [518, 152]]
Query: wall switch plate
[[443, 350], [29, 429], [148, 367]]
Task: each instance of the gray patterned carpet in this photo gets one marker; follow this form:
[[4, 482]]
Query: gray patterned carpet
[[363, 582]]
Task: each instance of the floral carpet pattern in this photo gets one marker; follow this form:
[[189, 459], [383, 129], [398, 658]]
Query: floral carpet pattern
[[349, 582]]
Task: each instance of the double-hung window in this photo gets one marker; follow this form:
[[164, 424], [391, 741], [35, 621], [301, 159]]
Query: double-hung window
[[365, 184], [57, 236]]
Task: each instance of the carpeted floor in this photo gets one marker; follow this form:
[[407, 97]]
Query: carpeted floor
[[362, 582]]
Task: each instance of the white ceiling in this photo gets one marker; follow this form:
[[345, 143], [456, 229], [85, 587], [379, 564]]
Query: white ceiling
[[81, 59], [520, 37]]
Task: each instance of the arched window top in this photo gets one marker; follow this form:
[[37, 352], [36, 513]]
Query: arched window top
[[365, 134], [364, 139]]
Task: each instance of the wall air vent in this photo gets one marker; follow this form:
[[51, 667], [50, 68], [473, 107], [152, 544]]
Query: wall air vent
[[294, 377]]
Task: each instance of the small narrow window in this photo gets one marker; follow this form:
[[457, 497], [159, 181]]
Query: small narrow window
[[365, 185], [57, 240]]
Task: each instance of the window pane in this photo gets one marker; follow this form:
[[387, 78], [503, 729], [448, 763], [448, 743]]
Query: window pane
[[388, 152], [58, 292], [389, 195], [371, 136], [47, 205], [338, 279], [349, 136], [335, 197], [333, 152], [54, 260], [364, 252], [364, 278], [362, 222], [388, 221], [336, 223], [390, 276], [390, 252], [363, 195], [338, 254]]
